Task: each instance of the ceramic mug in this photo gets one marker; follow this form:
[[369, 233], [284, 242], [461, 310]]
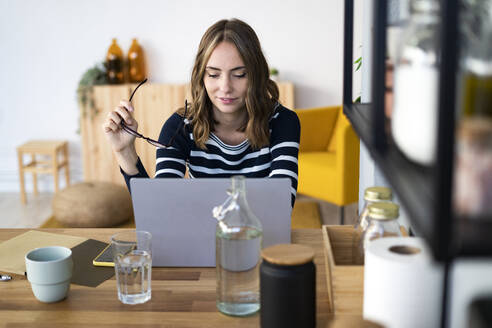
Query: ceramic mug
[[49, 270]]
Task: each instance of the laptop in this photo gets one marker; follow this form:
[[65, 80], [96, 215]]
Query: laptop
[[178, 214]]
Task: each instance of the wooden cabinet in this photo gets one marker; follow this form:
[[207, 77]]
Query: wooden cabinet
[[154, 103]]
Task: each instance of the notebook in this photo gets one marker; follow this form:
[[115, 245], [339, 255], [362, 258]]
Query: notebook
[[178, 214]]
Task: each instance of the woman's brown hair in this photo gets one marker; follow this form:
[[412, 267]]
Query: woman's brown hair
[[262, 93]]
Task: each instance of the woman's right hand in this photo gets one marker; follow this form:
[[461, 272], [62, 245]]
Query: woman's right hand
[[120, 140]]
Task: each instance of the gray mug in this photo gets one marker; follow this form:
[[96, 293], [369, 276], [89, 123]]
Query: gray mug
[[49, 270]]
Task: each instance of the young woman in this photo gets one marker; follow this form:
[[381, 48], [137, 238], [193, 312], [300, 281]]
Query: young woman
[[234, 124]]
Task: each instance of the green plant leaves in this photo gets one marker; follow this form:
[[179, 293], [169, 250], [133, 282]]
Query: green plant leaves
[[358, 62], [93, 76]]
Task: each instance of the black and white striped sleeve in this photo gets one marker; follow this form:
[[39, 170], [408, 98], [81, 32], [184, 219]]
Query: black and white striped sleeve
[[171, 162], [284, 147], [142, 173]]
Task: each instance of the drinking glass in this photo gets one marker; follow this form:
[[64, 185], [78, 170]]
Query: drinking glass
[[133, 265]]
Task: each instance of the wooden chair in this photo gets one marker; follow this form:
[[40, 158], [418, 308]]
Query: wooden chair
[[51, 148]]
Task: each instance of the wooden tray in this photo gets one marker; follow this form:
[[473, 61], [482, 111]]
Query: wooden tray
[[345, 281], [344, 278]]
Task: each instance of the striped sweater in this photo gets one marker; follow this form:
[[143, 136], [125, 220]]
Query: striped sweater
[[277, 160]]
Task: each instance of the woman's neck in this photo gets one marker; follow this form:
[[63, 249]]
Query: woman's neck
[[229, 121], [228, 127]]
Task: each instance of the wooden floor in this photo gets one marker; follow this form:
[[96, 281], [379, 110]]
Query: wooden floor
[[38, 208]]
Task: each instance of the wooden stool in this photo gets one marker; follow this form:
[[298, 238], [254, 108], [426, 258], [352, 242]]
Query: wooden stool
[[42, 147]]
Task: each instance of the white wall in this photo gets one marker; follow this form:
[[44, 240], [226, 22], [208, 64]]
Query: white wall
[[46, 45]]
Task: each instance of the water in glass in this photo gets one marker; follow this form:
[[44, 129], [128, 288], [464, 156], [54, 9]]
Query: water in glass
[[133, 276]]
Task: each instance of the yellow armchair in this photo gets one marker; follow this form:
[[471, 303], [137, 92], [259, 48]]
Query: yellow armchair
[[328, 156]]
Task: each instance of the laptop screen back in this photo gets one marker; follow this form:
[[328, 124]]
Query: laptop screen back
[[178, 214]]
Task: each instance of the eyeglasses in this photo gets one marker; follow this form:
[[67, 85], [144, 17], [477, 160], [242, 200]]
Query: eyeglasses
[[149, 140]]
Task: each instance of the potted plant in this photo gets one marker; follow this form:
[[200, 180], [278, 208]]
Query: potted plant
[[93, 76], [274, 74]]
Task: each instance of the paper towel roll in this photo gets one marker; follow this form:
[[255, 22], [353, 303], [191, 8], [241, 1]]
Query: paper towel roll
[[402, 283]]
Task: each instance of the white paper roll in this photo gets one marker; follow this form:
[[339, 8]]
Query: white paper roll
[[401, 289]]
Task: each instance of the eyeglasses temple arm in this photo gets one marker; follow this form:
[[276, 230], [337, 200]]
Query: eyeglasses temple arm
[[131, 97], [138, 86]]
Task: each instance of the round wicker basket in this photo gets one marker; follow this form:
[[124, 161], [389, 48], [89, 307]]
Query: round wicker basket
[[92, 205]]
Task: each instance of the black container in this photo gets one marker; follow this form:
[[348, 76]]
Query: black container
[[288, 287], [480, 313]]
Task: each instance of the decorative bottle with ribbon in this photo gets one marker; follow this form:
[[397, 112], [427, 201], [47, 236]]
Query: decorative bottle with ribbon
[[239, 236]]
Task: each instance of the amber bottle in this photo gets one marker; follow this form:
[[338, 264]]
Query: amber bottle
[[114, 63], [136, 62]]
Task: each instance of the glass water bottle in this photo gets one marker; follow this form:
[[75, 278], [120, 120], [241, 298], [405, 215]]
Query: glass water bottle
[[239, 235], [383, 222]]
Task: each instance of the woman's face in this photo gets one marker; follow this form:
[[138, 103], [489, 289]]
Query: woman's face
[[225, 79]]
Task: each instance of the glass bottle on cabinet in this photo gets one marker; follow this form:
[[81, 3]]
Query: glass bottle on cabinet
[[114, 63], [136, 62]]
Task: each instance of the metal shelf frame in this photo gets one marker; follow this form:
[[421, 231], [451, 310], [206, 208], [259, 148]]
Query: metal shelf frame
[[425, 192]]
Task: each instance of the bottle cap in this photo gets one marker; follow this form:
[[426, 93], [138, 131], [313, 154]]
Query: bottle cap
[[288, 254], [384, 211], [374, 194]]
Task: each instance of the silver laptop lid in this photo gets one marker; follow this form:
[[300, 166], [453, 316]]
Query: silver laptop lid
[[178, 214]]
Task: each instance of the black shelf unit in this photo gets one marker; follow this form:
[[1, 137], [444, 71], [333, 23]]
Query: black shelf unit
[[425, 192], [405, 176]]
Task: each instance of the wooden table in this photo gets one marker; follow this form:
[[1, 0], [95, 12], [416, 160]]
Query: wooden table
[[181, 297]]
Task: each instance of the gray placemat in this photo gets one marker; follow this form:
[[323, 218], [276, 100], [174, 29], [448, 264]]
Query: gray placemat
[[84, 272]]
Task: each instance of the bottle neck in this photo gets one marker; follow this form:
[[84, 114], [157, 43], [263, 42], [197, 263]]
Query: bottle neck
[[238, 186]]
